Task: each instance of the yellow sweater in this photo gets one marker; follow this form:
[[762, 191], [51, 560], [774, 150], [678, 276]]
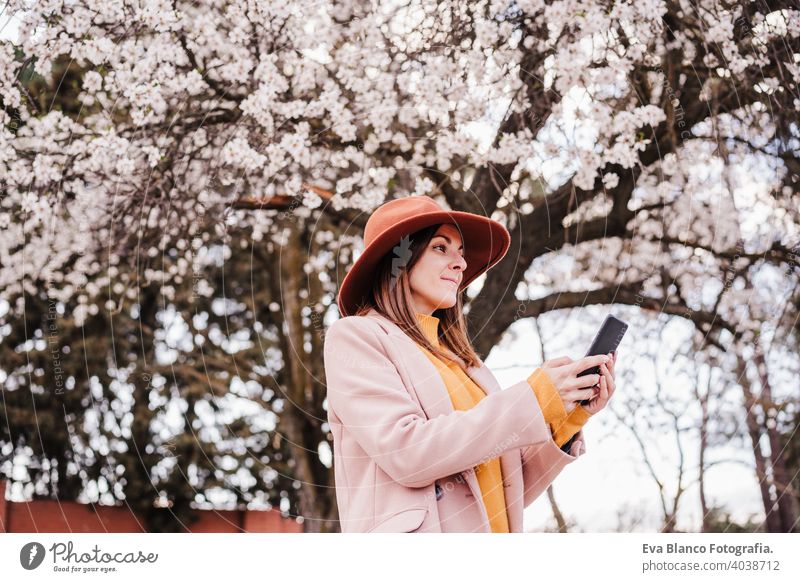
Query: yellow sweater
[[465, 393]]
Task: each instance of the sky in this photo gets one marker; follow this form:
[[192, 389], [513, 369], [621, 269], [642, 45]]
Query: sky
[[9, 27]]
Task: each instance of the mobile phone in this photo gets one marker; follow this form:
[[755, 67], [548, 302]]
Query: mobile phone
[[606, 341]]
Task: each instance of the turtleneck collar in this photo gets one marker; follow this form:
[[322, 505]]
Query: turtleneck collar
[[430, 327]]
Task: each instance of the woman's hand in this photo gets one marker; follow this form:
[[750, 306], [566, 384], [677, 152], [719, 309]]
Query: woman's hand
[[607, 387], [564, 372]]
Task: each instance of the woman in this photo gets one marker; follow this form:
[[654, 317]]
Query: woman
[[424, 439]]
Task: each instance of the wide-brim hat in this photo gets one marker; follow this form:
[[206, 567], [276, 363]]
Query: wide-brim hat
[[486, 241]]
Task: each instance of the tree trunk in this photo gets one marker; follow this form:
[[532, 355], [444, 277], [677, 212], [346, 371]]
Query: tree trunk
[[786, 511], [560, 521], [772, 520], [301, 417], [706, 526]]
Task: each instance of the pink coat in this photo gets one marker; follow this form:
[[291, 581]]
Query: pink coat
[[404, 458]]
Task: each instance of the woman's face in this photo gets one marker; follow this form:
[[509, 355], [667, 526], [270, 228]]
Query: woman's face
[[437, 275]]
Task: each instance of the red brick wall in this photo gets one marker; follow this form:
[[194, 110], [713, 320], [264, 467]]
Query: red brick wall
[[48, 516], [3, 503]]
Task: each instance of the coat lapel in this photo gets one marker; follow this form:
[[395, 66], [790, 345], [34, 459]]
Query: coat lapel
[[435, 401], [428, 384], [510, 460]]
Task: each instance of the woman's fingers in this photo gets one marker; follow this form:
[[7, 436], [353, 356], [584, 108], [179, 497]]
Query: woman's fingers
[[604, 389], [558, 361], [589, 362], [581, 394], [596, 388], [608, 379], [584, 381]]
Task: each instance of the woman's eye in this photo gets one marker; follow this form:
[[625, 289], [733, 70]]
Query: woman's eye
[[445, 249]]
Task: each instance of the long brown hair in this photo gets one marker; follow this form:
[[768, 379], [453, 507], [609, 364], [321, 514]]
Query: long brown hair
[[391, 296]]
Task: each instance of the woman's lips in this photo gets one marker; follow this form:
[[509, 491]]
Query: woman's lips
[[450, 281]]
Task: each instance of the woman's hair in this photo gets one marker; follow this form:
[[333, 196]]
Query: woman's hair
[[391, 296]]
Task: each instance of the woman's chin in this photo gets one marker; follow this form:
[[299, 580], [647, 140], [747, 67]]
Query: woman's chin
[[448, 301]]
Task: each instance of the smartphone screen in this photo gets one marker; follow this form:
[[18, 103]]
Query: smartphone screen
[[606, 341]]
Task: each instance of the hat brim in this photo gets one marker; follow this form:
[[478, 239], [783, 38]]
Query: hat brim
[[486, 242]]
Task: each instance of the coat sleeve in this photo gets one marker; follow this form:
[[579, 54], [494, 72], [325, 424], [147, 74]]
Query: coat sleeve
[[563, 426], [367, 394], [542, 463]]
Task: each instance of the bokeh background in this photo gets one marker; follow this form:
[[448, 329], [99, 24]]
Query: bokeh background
[[184, 184]]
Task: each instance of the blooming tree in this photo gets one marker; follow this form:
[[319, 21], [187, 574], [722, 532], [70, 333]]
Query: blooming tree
[[643, 153]]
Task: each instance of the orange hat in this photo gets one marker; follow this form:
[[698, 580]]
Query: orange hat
[[486, 241]]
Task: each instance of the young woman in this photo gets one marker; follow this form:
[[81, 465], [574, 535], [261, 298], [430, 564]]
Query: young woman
[[424, 438]]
